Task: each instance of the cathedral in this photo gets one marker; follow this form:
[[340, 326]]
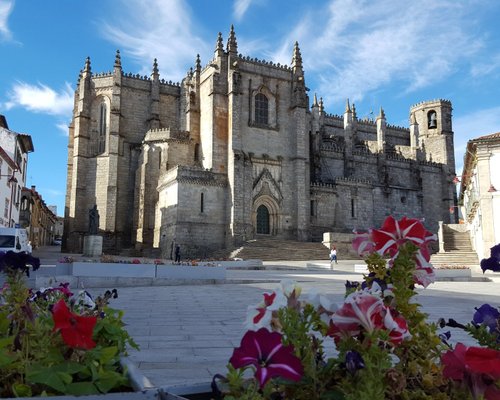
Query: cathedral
[[237, 151]]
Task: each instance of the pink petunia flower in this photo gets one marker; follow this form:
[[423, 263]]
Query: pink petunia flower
[[394, 234], [264, 351], [363, 311], [363, 243]]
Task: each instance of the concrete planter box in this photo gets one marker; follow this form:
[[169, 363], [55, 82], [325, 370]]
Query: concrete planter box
[[444, 274], [190, 272], [113, 270], [200, 391], [243, 264]]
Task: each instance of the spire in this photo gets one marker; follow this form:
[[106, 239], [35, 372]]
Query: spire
[[321, 107], [198, 63], [347, 106], [353, 111], [87, 68], [315, 101], [232, 46], [382, 113], [155, 68], [296, 59], [219, 47], [118, 59]]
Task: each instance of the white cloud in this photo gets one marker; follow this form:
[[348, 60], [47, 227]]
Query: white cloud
[[41, 99], [486, 68], [6, 7], [240, 8], [161, 29], [63, 127], [359, 46], [471, 126]]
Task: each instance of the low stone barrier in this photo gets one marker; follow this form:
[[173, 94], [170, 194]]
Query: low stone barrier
[[190, 272]]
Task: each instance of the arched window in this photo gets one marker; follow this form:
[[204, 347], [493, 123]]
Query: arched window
[[261, 109], [432, 119], [263, 220], [103, 117]]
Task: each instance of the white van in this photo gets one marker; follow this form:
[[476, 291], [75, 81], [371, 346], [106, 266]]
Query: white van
[[15, 239]]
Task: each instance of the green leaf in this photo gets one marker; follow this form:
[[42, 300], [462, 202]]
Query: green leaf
[[7, 341], [110, 379], [21, 390], [5, 359], [69, 368], [81, 388], [108, 354], [46, 376]]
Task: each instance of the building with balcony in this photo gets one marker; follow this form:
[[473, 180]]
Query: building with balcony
[[14, 149], [479, 196]]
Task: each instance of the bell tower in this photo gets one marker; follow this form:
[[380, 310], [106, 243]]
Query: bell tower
[[435, 133]]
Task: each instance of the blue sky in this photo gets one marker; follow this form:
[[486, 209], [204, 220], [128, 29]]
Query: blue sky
[[389, 53]]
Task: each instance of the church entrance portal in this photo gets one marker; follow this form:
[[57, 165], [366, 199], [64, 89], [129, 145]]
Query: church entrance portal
[[263, 220]]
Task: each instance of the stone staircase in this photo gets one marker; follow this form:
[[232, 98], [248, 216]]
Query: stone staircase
[[458, 250], [271, 249]]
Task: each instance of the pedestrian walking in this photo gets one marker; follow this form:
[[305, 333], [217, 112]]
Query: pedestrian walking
[[333, 255], [177, 253]]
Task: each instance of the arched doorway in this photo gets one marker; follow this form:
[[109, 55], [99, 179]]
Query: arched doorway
[[263, 220]]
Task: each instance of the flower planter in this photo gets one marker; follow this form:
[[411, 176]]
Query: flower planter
[[143, 388], [200, 391]]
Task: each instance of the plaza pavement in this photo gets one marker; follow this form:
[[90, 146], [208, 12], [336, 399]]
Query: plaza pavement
[[187, 333]]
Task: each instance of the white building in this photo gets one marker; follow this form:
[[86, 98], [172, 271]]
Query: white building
[[479, 192], [14, 149]]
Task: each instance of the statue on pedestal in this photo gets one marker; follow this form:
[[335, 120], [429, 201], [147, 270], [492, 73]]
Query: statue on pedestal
[[93, 220]]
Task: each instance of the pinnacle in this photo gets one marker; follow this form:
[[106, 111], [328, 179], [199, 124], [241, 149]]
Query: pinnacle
[[382, 113], [118, 60], [297, 57], [232, 45], [347, 106], [315, 101], [198, 62], [87, 65], [155, 67], [219, 46]]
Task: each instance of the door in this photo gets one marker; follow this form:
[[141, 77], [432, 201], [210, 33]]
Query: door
[[262, 220]]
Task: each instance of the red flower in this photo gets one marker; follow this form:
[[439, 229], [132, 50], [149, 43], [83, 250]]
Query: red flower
[[363, 243], [364, 311], [476, 366], [360, 310], [454, 363], [481, 360], [265, 351], [394, 233], [75, 329]]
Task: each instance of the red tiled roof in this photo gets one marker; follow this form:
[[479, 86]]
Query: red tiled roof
[[490, 136]]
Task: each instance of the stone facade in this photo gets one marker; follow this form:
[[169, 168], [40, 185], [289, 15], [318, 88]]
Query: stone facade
[[479, 192], [38, 219], [235, 151]]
